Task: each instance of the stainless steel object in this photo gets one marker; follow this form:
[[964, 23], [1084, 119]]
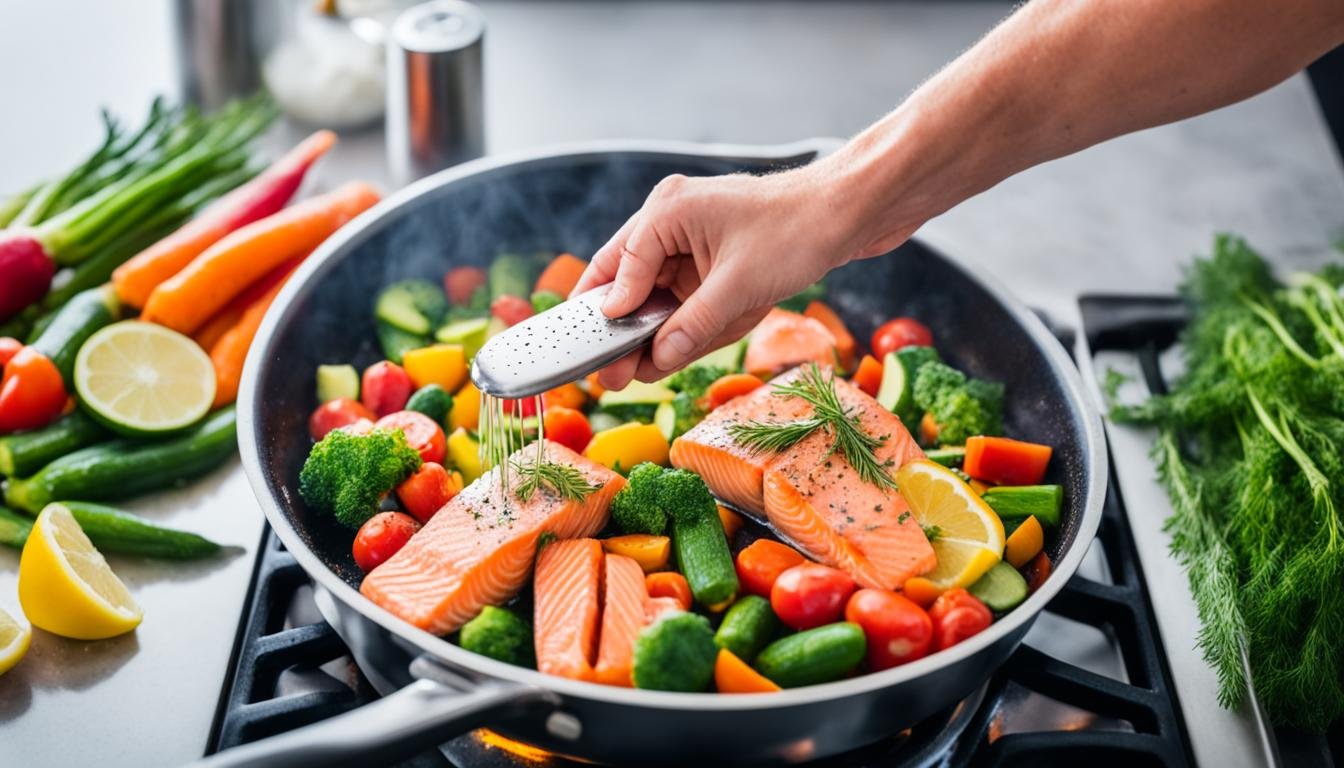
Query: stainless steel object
[[565, 343], [218, 54], [435, 92], [414, 233]]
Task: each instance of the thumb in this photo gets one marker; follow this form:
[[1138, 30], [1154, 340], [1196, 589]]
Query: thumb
[[700, 319]]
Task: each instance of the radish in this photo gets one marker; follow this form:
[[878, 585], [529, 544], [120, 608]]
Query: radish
[[25, 271]]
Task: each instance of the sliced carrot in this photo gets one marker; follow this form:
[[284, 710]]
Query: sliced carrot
[[670, 584], [844, 340], [1006, 461], [186, 300], [230, 351], [567, 395], [733, 675], [561, 275], [868, 377], [257, 199], [727, 387], [732, 522]]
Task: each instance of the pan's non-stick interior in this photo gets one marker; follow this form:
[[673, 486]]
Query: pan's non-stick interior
[[574, 203]]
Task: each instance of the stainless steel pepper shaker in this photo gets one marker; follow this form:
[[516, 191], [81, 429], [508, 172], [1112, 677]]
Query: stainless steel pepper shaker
[[435, 91]]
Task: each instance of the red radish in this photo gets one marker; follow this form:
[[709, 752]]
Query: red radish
[[26, 271]]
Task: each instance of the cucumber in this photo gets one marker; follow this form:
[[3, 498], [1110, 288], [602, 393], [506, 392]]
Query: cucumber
[[665, 418], [14, 528], [414, 306], [814, 656], [638, 401], [433, 401], [70, 327], [112, 530], [125, 467], [747, 627], [729, 357], [396, 342], [1002, 588], [335, 381], [600, 422], [703, 558], [949, 457], [470, 333], [512, 274], [1018, 502], [896, 393], [24, 453]]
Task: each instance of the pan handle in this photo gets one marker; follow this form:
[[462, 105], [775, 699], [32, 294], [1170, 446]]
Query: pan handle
[[424, 714]]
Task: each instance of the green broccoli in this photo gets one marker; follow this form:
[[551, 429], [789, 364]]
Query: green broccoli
[[688, 411], [544, 300], [695, 379], [500, 634], [635, 508], [961, 407], [683, 495], [675, 653], [348, 475]]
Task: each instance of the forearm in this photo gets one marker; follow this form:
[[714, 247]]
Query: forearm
[[1056, 77]]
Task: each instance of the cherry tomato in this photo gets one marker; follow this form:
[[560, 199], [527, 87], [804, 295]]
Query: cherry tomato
[[897, 630], [730, 386], [524, 407], [567, 427], [334, 414], [1036, 571], [957, 615], [32, 393], [428, 489], [901, 332], [385, 388], [9, 347], [380, 537], [810, 595], [669, 584], [511, 309], [761, 562], [461, 282], [421, 432]]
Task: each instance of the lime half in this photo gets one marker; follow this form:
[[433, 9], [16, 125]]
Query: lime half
[[143, 379]]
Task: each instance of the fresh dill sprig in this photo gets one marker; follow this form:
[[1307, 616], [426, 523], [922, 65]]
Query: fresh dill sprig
[[562, 480], [829, 414]]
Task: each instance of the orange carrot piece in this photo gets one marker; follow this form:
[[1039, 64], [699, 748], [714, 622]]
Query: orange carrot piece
[[732, 522], [186, 300], [257, 199], [229, 353], [725, 388], [561, 275], [1006, 461], [733, 675], [670, 584], [868, 377], [566, 395], [844, 340], [928, 430]]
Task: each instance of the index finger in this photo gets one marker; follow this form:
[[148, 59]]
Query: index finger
[[602, 267]]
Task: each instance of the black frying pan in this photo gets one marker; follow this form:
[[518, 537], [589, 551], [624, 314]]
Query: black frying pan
[[572, 200]]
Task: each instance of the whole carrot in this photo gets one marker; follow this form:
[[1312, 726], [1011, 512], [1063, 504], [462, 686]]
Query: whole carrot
[[232, 312], [186, 300], [229, 353], [257, 199]]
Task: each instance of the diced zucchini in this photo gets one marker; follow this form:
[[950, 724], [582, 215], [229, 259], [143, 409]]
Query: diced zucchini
[[1017, 502], [601, 422], [729, 357], [414, 306], [638, 401], [896, 393], [1002, 588], [950, 456], [395, 342], [512, 274], [665, 418], [470, 333], [335, 381]]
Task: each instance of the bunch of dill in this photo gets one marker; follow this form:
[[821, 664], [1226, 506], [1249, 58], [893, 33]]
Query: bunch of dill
[[1251, 451]]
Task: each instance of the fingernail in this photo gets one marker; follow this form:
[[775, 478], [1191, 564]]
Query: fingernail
[[680, 343], [612, 302]]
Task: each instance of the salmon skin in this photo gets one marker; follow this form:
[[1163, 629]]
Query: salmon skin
[[812, 497], [479, 549]]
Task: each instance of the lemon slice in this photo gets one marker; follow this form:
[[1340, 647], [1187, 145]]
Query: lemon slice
[[969, 536], [144, 379], [65, 585], [14, 639]]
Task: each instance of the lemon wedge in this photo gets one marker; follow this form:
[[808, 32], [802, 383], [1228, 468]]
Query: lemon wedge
[[966, 535], [65, 585], [14, 640]]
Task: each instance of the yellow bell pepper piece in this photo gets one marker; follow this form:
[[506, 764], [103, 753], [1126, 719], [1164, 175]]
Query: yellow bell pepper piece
[[628, 445], [466, 410], [732, 522], [462, 449], [1024, 543], [651, 552], [442, 364]]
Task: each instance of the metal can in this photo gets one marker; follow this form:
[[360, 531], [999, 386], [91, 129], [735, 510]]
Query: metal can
[[435, 89]]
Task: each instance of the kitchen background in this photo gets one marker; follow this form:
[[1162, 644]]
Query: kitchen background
[[1122, 217]]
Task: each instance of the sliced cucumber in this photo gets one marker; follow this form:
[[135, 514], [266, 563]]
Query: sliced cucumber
[[1002, 588], [334, 381], [729, 357], [395, 342], [600, 422], [665, 418], [951, 456], [895, 392], [637, 393], [471, 334], [414, 306], [1018, 502], [494, 326]]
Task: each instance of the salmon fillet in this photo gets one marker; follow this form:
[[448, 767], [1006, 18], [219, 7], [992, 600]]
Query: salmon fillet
[[625, 607], [784, 339], [735, 473], [566, 605], [479, 550]]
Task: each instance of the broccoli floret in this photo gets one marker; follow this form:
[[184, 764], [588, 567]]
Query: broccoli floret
[[500, 634], [544, 300], [675, 653], [694, 380], [688, 411], [635, 507], [962, 407], [348, 475], [683, 495]]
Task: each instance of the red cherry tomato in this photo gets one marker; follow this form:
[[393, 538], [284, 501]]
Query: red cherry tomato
[[335, 414], [428, 489], [523, 408], [511, 309], [669, 584], [385, 388], [761, 562], [32, 393], [810, 595], [1036, 571], [897, 630], [9, 347], [461, 282], [421, 432], [901, 332], [567, 427], [380, 537], [956, 615]]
